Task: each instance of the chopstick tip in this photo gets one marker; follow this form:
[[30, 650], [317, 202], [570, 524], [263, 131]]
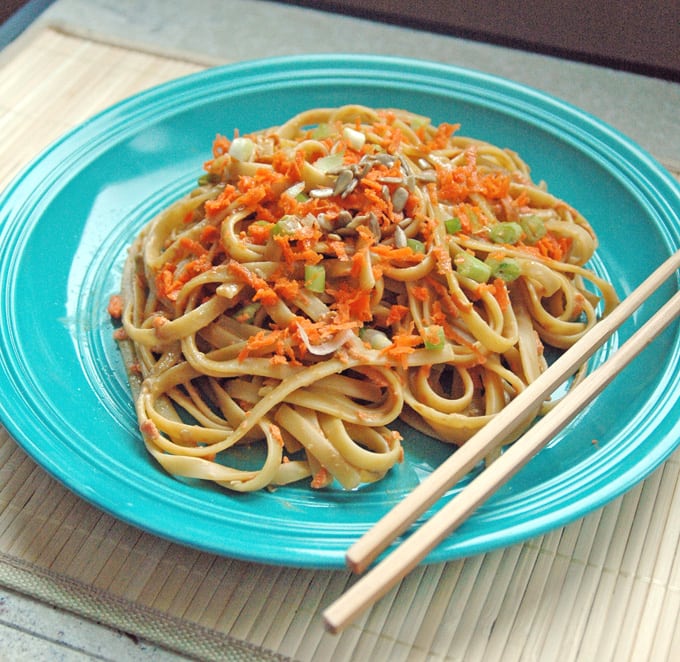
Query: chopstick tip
[[356, 562], [331, 624]]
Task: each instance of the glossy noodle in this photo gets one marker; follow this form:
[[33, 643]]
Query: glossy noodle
[[331, 275]]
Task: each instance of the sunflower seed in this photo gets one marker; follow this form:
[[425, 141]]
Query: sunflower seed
[[344, 218], [385, 159], [399, 199], [325, 192], [349, 188], [427, 176], [399, 237], [405, 166], [374, 226], [295, 190], [324, 222], [344, 179]]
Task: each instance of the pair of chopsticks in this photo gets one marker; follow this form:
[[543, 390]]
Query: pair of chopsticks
[[396, 565]]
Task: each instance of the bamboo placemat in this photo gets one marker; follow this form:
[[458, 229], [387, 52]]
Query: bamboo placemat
[[606, 587]]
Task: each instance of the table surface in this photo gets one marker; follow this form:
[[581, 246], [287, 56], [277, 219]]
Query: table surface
[[646, 109]]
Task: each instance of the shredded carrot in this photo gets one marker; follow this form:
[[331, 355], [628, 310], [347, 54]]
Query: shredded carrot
[[420, 292], [396, 314], [287, 288], [402, 345], [442, 136], [276, 434], [263, 292], [501, 293], [115, 307], [404, 255], [259, 232], [221, 202], [340, 250], [322, 478], [553, 247], [190, 246], [209, 234]]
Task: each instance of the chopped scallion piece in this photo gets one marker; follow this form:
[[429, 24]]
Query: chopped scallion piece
[[375, 338], [506, 233], [506, 268], [286, 225], [247, 314], [453, 225], [242, 149], [315, 277], [321, 131], [534, 228], [208, 178], [415, 245], [434, 337], [472, 267]]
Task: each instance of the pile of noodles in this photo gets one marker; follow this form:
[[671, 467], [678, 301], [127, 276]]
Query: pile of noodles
[[335, 273]]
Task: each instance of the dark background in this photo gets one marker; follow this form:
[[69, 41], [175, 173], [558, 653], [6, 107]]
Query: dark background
[[642, 36]]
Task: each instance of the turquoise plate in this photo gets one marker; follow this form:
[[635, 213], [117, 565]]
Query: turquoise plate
[[66, 222]]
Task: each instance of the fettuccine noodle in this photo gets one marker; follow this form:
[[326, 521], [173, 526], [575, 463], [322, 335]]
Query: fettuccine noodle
[[333, 274]]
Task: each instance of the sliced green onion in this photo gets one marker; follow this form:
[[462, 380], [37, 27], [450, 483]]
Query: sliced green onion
[[434, 337], [241, 149], [247, 314], [506, 268], [534, 228], [315, 277], [286, 225], [506, 233], [415, 245], [453, 225], [374, 337], [472, 267], [208, 178], [321, 131]]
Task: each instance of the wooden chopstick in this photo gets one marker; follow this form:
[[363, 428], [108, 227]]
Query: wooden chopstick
[[404, 558]]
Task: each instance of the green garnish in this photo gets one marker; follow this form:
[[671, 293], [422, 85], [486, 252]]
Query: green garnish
[[434, 337], [321, 131], [247, 314], [453, 225], [506, 269], [415, 245], [506, 233], [533, 227], [286, 225], [315, 277], [472, 267], [208, 178]]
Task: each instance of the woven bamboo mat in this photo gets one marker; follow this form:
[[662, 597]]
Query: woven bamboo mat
[[606, 587]]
